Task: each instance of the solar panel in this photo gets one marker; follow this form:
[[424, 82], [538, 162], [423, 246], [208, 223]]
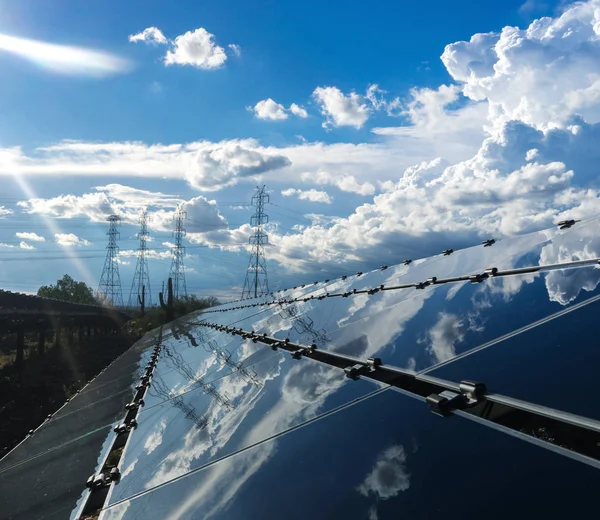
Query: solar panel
[[383, 457], [315, 401]]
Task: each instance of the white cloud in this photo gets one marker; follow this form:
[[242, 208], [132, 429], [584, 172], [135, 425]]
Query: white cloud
[[298, 111], [311, 195], [343, 182], [25, 245], [69, 239], [96, 206], [198, 49], [205, 165], [5, 211], [136, 198], [376, 97], [340, 109], [64, 59], [539, 75], [7, 246], [236, 49], [202, 215], [33, 237], [151, 254], [222, 164], [149, 35], [269, 109], [427, 106]]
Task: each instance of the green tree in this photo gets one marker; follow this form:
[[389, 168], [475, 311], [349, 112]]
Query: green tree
[[68, 290]]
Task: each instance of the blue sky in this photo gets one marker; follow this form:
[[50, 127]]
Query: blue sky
[[381, 131]]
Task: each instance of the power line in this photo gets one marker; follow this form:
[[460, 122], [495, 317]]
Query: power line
[[256, 282], [177, 272], [141, 277], [110, 281]]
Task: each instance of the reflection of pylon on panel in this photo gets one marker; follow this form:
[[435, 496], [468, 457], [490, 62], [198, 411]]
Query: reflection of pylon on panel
[[110, 281], [256, 283], [177, 272], [141, 276]]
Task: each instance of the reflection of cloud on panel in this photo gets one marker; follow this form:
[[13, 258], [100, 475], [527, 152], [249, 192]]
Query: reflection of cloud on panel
[[387, 317], [448, 330], [155, 438], [581, 244], [389, 475]]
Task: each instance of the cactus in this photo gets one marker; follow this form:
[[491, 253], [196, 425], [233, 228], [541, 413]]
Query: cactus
[[168, 307], [142, 299]]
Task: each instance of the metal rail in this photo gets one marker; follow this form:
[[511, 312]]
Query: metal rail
[[556, 427]]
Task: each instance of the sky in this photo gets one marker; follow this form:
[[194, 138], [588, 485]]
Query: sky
[[381, 132]]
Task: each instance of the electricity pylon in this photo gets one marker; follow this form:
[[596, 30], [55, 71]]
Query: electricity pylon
[[256, 283], [110, 281], [141, 276], [177, 272]]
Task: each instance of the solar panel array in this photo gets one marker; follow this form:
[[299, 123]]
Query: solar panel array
[[316, 402]]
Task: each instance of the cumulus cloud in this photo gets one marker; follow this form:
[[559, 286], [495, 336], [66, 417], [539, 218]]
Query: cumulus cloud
[[198, 49], [271, 110], [298, 111], [539, 75], [64, 59], [5, 211], [33, 237], [96, 206], [340, 109], [222, 164], [25, 245], [353, 109], [202, 214], [149, 35], [69, 239], [310, 195]]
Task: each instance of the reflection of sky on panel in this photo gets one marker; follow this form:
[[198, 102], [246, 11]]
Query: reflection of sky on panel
[[416, 329], [234, 412], [534, 365], [327, 469]]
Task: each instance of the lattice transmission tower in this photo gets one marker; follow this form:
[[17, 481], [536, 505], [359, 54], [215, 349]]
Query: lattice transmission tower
[[110, 281], [141, 276], [177, 272], [256, 283]]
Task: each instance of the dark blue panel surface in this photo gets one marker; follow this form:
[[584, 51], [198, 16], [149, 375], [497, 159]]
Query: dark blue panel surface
[[383, 458], [227, 415], [554, 364]]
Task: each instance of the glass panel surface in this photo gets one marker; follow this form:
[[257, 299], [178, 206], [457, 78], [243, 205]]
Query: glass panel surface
[[98, 404], [416, 329], [227, 415], [554, 364], [385, 457], [49, 485]]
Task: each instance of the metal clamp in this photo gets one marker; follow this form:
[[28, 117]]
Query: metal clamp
[[355, 371]]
